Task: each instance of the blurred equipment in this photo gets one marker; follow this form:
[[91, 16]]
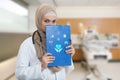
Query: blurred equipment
[[95, 52]]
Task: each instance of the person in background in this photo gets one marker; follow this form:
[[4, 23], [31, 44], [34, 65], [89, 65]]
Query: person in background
[[32, 59], [91, 47]]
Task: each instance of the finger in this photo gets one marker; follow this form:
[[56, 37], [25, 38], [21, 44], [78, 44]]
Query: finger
[[51, 58], [49, 54], [50, 61], [45, 55], [69, 51], [69, 46]]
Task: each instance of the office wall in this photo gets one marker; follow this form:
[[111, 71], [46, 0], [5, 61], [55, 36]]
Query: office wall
[[102, 25], [88, 12], [106, 19], [13, 30], [77, 12], [9, 44], [31, 16], [13, 23]]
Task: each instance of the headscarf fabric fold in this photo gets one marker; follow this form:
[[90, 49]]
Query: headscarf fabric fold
[[39, 36]]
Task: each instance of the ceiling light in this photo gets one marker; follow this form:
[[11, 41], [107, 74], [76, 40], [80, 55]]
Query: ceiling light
[[13, 7]]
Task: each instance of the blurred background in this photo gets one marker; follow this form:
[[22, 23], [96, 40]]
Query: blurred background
[[17, 22]]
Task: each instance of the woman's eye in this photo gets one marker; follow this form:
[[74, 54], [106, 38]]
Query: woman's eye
[[54, 21], [47, 21]]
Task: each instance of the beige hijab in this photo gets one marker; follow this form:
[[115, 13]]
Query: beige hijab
[[39, 35]]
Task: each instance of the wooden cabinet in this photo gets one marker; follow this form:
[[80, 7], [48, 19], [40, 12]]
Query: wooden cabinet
[[115, 53], [78, 55]]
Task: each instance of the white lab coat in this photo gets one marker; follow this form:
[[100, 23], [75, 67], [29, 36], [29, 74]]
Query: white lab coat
[[28, 67]]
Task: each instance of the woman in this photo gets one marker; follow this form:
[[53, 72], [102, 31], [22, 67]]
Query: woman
[[32, 59]]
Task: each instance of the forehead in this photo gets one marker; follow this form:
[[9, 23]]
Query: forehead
[[50, 17]]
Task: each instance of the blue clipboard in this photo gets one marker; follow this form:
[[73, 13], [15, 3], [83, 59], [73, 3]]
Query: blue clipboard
[[57, 38]]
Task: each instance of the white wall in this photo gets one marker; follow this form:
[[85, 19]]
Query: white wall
[[13, 17], [88, 12], [31, 16], [78, 12], [11, 22]]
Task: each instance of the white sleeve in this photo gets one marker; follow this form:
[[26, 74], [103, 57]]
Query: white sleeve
[[23, 70]]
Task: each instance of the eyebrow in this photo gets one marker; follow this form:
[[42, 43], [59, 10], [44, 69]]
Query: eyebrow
[[50, 20]]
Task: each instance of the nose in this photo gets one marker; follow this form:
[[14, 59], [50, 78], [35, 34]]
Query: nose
[[50, 23]]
